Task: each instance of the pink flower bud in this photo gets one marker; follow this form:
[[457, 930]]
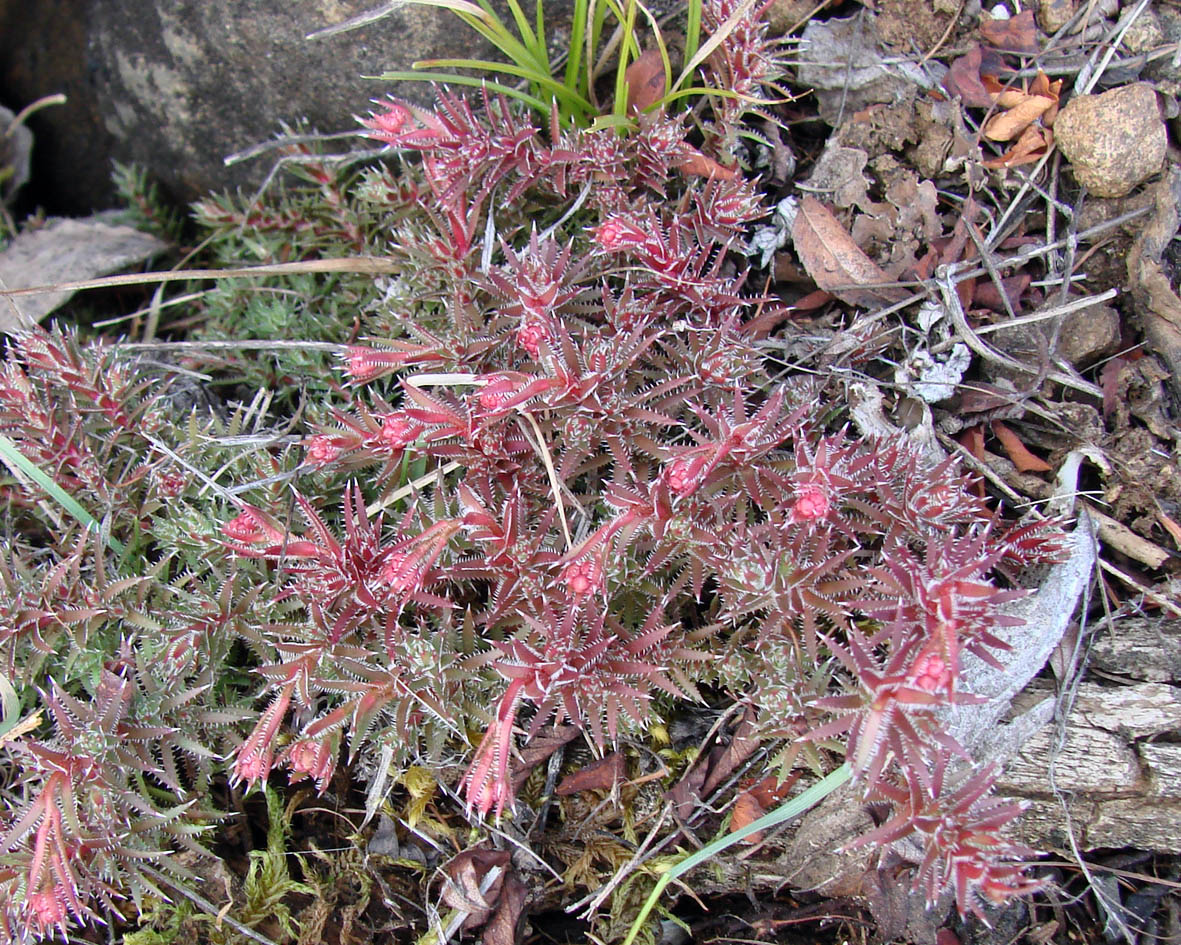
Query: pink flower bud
[[530, 336], [812, 503], [46, 909], [398, 432], [684, 475], [400, 571], [495, 394], [313, 759], [243, 527], [583, 577], [930, 673], [389, 124], [252, 767], [321, 450]]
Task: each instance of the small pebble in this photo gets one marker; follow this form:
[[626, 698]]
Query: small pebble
[[1052, 15], [1113, 141]]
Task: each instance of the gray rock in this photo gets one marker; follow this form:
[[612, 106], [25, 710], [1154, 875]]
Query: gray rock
[[16, 149], [63, 251], [1052, 15], [840, 61], [1089, 334], [176, 85], [1113, 141]]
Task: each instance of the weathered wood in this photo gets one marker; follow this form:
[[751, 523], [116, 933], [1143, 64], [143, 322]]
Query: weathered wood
[[1119, 786], [1140, 648]]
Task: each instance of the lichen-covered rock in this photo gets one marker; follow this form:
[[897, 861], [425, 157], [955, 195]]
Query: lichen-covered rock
[[1113, 141], [176, 85]]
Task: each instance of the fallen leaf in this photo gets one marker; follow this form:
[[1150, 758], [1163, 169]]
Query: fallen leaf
[[503, 927], [701, 165], [747, 810], [1170, 526], [723, 761], [1014, 34], [813, 301], [1041, 85], [65, 251], [600, 775], [982, 397], [645, 81], [539, 748], [23, 727], [466, 874], [972, 440], [835, 263], [686, 794], [752, 803], [1030, 147], [1009, 124], [1062, 659], [1022, 458], [986, 294], [1109, 382], [963, 80]]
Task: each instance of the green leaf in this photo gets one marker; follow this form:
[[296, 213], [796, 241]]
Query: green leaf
[[19, 463], [548, 82], [792, 809], [455, 79]]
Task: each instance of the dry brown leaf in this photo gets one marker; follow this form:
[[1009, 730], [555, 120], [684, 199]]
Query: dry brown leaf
[[600, 775], [1009, 124], [23, 727], [747, 810], [1022, 458], [539, 748], [1030, 147], [1041, 85], [972, 440], [752, 803], [835, 263], [1015, 34], [701, 165], [963, 80], [63, 251], [504, 926], [723, 762], [1170, 526], [987, 295], [645, 81], [465, 873]]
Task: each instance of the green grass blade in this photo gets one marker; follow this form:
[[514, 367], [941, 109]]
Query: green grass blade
[[578, 24], [702, 90], [627, 45], [455, 79], [792, 809], [549, 83], [693, 30], [19, 463], [534, 42], [490, 26], [539, 29]]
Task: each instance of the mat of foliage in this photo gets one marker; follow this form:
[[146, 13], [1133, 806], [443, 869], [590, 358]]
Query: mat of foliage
[[617, 460]]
